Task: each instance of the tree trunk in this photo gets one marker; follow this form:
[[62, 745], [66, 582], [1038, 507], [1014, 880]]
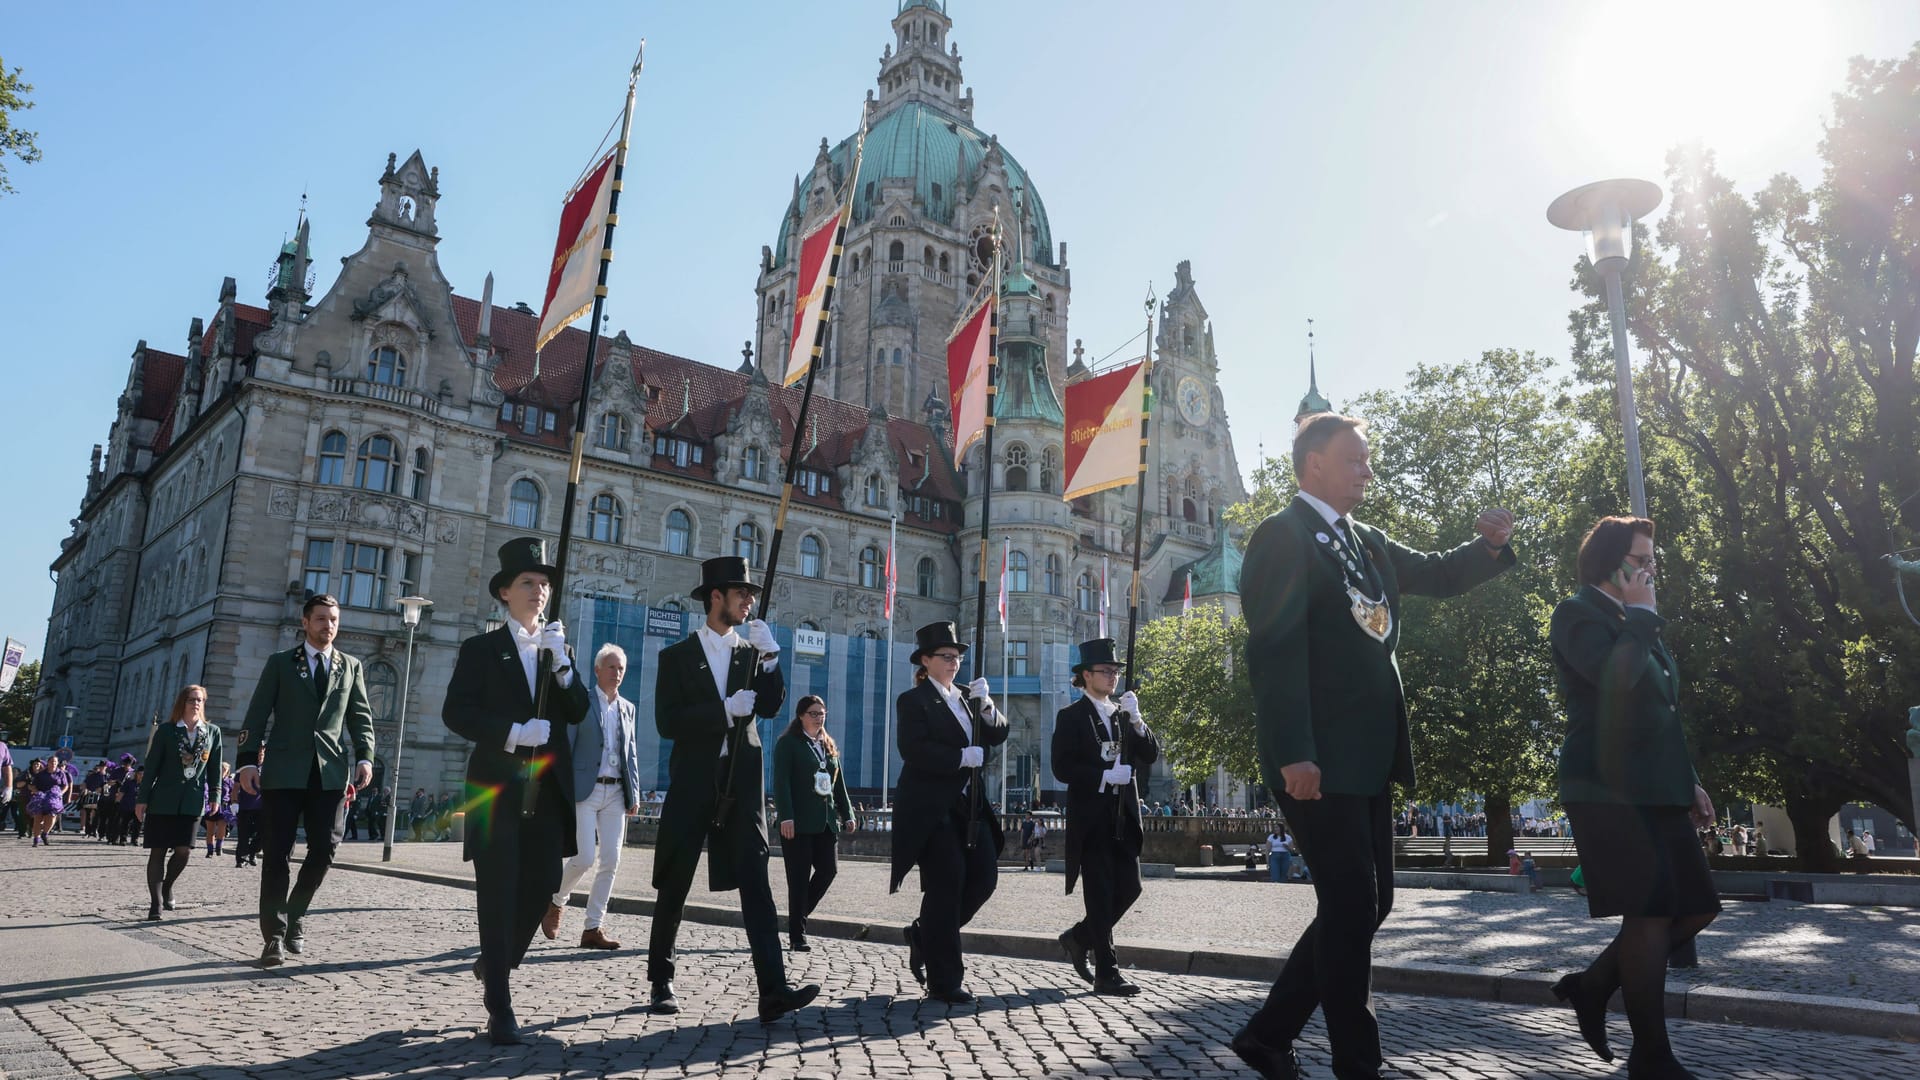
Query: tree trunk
[[1499, 810], [1809, 817]]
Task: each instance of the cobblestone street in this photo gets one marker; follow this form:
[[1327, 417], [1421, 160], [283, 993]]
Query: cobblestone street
[[384, 990]]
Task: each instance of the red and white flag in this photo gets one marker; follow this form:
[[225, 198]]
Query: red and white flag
[[1104, 418], [1006, 555], [1186, 602], [817, 254], [969, 353], [574, 276], [1104, 598], [892, 580]]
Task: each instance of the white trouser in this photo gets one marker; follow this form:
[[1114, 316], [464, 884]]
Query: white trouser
[[599, 821]]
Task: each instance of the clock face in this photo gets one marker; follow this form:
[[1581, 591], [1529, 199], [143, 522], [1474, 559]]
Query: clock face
[[1194, 401]]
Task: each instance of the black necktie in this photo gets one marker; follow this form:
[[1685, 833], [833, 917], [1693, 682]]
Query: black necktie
[[319, 675]]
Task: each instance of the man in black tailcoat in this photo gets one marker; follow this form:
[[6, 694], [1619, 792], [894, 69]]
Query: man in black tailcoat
[[1321, 593], [494, 701], [1099, 742], [708, 690]]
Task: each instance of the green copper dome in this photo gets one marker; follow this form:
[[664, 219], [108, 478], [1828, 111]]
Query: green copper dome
[[941, 154], [936, 5]]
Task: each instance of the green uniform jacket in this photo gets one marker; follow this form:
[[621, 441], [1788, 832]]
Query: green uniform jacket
[[307, 724], [1324, 690], [168, 787], [794, 800], [1624, 743]]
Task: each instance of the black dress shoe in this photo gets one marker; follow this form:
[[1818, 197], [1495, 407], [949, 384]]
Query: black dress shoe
[[504, 1030], [270, 955], [1077, 956], [1272, 1062], [785, 1000], [479, 973], [799, 944], [296, 937], [1656, 1066], [664, 1001], [955, 996], [166, 897], [153, 913], [916, 963], [1591, 1014], [1114, 985]]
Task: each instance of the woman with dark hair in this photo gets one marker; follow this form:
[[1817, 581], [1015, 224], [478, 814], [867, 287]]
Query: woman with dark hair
[[1630, 791], [47, 782], [182, 761], [811, 803]]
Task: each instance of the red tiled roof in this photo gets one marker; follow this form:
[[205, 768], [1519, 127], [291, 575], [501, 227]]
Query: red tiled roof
[[160, 375]]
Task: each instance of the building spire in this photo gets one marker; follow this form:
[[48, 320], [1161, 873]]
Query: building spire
[[1314, 402]]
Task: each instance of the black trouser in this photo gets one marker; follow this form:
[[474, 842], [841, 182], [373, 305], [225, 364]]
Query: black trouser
[[812, 862], [105, 816], [742, 845], [1109, 884], [282, 811], [247, 834], [353, 826], [1348, 840], [955, 881], [515, 873]]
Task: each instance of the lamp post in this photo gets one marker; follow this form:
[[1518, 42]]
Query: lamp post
[[66, 729], [1605, 211], [410, 609]]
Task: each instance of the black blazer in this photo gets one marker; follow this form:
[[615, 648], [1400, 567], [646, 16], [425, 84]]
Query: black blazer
[[1078, 763], [689, 711], [1324, 690], [930, 739], [486, 697], [1624, 743]]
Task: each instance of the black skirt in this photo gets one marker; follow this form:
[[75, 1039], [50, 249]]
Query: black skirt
[[169, 830], [1641, 861]]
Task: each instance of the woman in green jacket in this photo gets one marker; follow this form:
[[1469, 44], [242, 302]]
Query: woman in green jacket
[[810, 799], [184, 757], [1627, 781]]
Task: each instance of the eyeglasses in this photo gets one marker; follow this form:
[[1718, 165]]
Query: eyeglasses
[[816, 712], [949, 657], [1644, 562], [1110, 672]]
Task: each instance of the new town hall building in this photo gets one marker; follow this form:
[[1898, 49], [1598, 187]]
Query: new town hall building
[[383, 438]]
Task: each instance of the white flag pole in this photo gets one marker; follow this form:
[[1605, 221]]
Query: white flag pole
[[886, 701]]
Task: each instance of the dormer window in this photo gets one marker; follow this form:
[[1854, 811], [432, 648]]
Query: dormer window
[[873, 495], [813, 481], [613, 432], [681, 452], [753, 464], [388, 366]]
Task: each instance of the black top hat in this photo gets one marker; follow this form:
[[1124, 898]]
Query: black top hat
[[517, 556], [1099, 651], [933, 636], [724, 572]]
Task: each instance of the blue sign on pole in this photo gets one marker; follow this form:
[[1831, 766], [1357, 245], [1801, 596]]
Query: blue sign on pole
[[66, 743], [666, 623]]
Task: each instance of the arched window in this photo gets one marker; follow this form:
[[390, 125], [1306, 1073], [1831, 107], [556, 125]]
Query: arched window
[[753, 463], [1018, 577], [773, 304], [813, 557], [1049, 469], [874, 496], [420, 471], [382, 685], [896, 358], [378, 466], [603, 518], [856, 262], [387, 365], [1086, 594], [679, 532], [1188, 510], [1055, 582], [896, 253], [926, 260], [946, 263], [1016, 468], [523, 504], [870, 567], [333, 458], [746, 543], [924, 579], [613, 432]]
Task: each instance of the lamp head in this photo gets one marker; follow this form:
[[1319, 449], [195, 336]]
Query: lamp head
[[410, 608], [1605, 212]]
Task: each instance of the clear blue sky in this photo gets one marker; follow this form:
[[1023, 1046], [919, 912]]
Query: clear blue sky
[[1381, 168]]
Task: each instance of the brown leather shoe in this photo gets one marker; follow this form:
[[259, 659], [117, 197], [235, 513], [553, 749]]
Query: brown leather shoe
[[550, 922], [594, 939]]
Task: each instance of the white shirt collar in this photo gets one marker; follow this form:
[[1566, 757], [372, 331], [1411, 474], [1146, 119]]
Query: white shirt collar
[[605, 701], [730, 639], [311, 652], [518, 630], [1321, 506], [1106, 708], [1616, 601]]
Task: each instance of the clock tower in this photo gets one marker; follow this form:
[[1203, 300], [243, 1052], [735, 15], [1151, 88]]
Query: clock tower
[[1195, 474]]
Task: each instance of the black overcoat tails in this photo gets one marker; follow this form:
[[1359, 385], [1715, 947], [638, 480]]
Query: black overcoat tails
[[930, 739], [1078, 763]]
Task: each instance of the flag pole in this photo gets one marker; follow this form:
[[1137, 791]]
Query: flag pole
[[1006, 670], [986, 490], [529, 792], [1123, 724], [886, 699]]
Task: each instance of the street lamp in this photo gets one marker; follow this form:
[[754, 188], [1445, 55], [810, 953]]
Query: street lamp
[[67, 714], [410, 609], [1605, 211]]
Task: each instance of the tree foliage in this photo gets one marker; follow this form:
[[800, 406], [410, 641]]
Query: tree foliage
[[1204, 721], [16, 705], [13, 141]]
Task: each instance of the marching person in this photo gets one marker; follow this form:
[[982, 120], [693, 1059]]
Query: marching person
[[515, 839], [310, 711], [606, 790], [1321, 594], [246, 847], [709, 688], [184, 757], [48, 780], [1631, 794], [941, 821], [1098, 744], [811, 802]]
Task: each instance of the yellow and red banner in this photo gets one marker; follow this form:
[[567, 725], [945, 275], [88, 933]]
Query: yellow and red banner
[[809, 305], [1104, 422], [969, 354], [575, 274]]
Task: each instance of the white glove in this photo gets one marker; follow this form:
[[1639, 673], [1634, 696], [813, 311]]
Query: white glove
[[760, 636], [532, 733], [553, 638], [6, 795], [1130, 704], [740, 705], [972, 757], [978, 688], [1118, 776]]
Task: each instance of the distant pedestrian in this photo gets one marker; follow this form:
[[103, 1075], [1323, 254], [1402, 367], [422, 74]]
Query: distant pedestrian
[[49, 783], [810, 791], [1027, 825], [184, 758], [246, 846], [419, 814], [1278, 857], [1530, 870], [217, 817]]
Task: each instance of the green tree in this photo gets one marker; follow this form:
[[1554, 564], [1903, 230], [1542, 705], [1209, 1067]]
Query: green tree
[[1778, 341], [13, 141], [16, 705], [1203, 721]]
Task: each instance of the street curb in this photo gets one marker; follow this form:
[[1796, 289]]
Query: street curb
[[1713, 1004]]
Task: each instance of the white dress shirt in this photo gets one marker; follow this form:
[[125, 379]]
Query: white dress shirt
[[719, 649], [609, 731], [951, 695], [309, 653], [527, 642], [1323, 508]]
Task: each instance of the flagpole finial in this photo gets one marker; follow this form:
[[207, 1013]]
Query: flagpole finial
[[639, 61], [1151, 298]]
